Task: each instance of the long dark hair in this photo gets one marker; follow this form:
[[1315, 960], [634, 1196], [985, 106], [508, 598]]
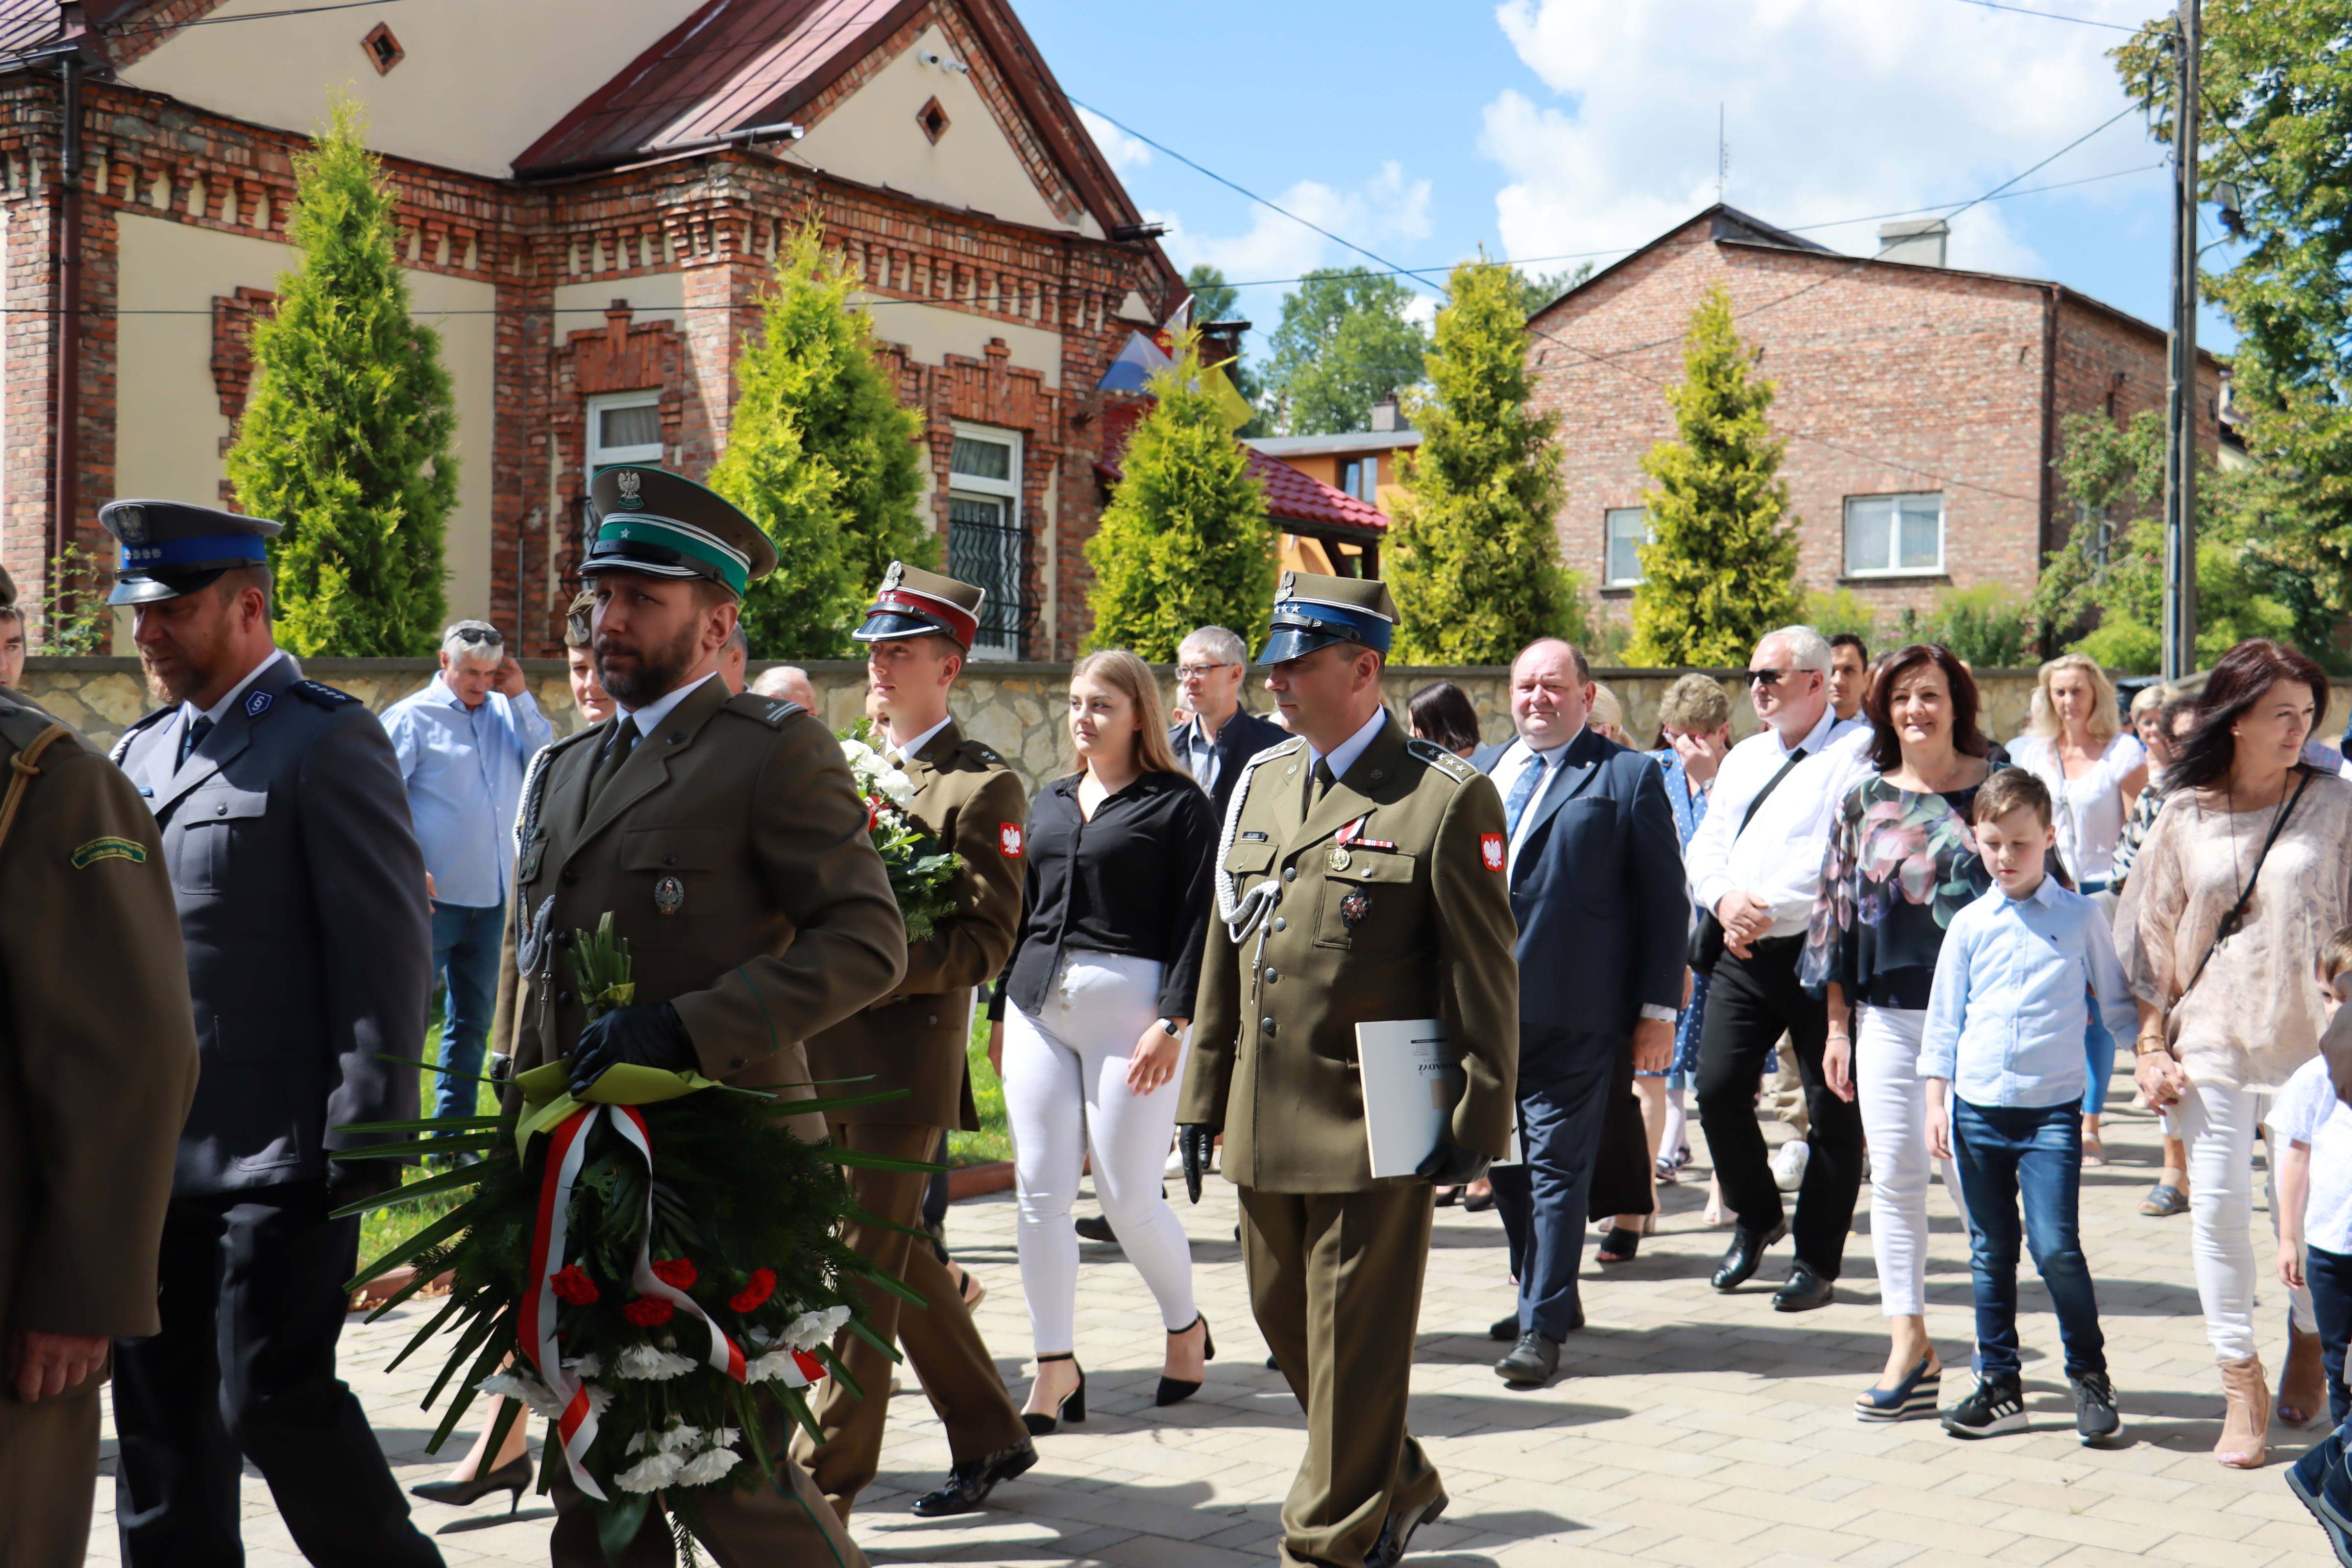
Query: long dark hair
[[1440, 712], [1886, 746], [2237, 683]]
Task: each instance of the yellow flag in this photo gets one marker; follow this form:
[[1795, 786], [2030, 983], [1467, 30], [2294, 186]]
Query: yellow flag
[[1230, 402]]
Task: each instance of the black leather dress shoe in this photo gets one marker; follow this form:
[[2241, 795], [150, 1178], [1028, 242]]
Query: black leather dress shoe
[[969, 1484], [1094, 1227], [1531, 1364], [1745, 1255], [1396, 1533], [1805, 1290]]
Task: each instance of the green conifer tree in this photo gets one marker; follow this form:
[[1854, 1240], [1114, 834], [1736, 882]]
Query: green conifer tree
[[821, 455], [346, 438], [1720, 569], [1184, 541], [1472, 553]]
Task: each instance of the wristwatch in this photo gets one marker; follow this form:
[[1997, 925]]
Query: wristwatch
[[1169, 1025], [2151, 1044]]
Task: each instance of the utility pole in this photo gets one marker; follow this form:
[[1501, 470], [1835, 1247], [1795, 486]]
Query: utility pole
[[2180, 389]]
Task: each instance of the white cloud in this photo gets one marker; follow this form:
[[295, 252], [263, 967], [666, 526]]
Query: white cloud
[[1388, 206], [1836, 109], [1124, 152]]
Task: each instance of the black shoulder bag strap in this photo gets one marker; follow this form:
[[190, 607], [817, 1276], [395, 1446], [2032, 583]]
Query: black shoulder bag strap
[[1765, 794], [1707, 930], [2237, 915]]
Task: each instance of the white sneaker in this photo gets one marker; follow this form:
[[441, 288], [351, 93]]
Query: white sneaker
[[1789, 1164]]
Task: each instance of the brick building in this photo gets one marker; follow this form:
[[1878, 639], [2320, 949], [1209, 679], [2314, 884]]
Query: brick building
[[592, 197], [1921, 405]]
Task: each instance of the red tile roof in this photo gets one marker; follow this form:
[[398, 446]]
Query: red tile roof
[[1298, 500]]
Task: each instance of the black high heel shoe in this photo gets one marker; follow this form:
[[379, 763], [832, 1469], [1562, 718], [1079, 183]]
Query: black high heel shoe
[[1172, 1389], [1073, 1407], [514, 1475]]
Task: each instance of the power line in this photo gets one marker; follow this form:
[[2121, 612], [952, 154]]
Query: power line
[[2049, 15], [248, 17]]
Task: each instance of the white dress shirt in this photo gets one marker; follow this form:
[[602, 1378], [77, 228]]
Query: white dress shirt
[[1344, 755], [1779, 857], [910, 750], [1516, 760]]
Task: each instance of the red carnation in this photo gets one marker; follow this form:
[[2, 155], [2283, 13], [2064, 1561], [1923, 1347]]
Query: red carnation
[[677, 1273], [648, 1311], [573, 1286], [762, 1286]]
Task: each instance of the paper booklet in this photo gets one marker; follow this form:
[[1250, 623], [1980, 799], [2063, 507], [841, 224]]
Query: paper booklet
[[1412, 1083]]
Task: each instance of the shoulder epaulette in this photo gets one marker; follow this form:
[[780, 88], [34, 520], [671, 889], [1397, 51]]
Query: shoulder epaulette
[[319, 694], [22, 724], [769, 710], [115, 753], [1283, 748], [1443, 761], [983, 751]]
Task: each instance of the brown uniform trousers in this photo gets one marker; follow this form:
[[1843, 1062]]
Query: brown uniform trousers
[[731, 850], [915, 1040], [98, 1066], [1410, 919]]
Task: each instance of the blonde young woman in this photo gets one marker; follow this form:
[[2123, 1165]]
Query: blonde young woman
[[2078, 745], [1100, 983]]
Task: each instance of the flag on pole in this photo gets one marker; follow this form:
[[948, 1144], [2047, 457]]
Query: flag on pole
[[1137, 362]]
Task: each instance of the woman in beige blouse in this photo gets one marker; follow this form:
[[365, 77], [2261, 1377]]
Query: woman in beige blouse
[[2229, 1007]]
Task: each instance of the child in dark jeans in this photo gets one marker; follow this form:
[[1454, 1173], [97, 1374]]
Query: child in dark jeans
[[2314, 1191], [2004, 1041]]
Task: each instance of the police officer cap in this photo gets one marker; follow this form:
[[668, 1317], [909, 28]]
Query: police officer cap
[[170, 548], [1312, 612], [919, 604], [653, 521]]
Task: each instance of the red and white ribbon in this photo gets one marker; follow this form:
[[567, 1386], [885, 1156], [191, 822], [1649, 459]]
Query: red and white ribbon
[[722, 1356]]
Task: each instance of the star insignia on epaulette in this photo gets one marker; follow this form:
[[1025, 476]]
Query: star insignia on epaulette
[[1438, 757]]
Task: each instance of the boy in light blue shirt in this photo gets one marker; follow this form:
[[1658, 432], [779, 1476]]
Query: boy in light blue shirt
[[2019, 969]]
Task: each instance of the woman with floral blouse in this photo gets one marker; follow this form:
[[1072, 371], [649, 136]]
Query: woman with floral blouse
[[1902, 861]]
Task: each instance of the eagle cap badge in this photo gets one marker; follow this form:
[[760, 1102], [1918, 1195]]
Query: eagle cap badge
[[629, 482], [893, 577], [131, 524]]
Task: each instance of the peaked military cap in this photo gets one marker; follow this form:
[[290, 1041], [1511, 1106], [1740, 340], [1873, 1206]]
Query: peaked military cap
[[919, 604], [7, 589], [1312, 612], [170, 548], [651, 521], [580, 619]]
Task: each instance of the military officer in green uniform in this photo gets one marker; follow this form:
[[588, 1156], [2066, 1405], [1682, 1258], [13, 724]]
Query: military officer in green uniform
[[727, 839], [1361, 880], [917, 635]]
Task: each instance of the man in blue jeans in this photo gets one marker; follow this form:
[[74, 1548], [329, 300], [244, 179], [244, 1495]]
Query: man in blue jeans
[[464, 744]]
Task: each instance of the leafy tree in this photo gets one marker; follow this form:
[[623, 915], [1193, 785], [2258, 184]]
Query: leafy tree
[[1989, 625], [1721, 568], [1345, 341], [346, 438], [1537, 290], [1472, 553], [822, 456], [2278, 121], [1184, 541], [1840, 610], [2102, 591], [1214, 300]]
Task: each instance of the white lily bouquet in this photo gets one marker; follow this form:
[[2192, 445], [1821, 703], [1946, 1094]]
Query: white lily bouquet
[[920, 872]]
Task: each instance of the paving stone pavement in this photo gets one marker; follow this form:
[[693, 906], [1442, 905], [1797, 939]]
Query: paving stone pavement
[[1685, 1428]]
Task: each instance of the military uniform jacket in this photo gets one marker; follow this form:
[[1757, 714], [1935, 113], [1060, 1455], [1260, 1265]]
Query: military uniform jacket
[[1410, 919], [916, 1037], [98, 1057], [302, 894], [732, 851]]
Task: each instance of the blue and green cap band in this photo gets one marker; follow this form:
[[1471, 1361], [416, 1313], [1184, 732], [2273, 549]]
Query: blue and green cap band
[[666, 547]]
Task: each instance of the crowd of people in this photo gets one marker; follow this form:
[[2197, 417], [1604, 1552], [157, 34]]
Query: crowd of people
[[1917, 946]]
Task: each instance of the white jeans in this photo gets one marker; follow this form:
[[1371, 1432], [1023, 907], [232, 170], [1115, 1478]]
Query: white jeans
[[1894, 1101], [2218, 1125], [1066, 1092]]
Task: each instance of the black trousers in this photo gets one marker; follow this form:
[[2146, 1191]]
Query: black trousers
[[252, 1300], [1750, 1003]]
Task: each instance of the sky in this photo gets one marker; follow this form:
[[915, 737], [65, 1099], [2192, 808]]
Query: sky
[[1547, 131]]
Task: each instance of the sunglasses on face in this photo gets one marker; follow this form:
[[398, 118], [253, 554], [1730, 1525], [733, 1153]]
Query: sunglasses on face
[[1770, 677]]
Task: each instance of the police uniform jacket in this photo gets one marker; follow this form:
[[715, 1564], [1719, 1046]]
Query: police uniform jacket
[[1410, 918], [302, 894], [916, 1037], [732, 851], [98, 1057]]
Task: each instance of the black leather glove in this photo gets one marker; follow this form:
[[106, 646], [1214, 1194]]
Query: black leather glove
[[1450, 1166], [652, 1036], [1195, 1144], [356, 1181]]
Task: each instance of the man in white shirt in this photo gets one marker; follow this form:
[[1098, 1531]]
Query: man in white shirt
[[1756, 864]]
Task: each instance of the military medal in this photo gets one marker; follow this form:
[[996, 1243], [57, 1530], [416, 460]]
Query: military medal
[[1339, 858], [1354, 908], [670, 895]]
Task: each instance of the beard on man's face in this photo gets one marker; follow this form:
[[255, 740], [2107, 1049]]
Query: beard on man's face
[[634, 674]]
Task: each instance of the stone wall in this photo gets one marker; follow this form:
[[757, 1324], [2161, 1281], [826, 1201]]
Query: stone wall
[[1016, 708]]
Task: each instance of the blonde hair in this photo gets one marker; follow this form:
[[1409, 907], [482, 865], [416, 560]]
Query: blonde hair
[[2105, 723], [1695, 702], [1132, 679], [1606, 710]]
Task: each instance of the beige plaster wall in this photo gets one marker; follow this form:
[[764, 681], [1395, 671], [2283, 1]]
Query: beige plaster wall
[[168, 410], [654, 297], [931, 332], [480, 83]]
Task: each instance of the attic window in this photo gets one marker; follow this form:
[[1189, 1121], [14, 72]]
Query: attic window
[[384, 50], [933, 120]]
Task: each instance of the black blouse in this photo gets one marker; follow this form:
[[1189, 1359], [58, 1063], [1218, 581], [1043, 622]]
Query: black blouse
[[1134, 882]]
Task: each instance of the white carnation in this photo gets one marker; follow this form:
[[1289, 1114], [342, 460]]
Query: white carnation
[[649, 1474], [518, 1385], [600, 1398], [587, 1366], [898, 788], [650, 1364], [670, 1440], [710, 1466], [777, 1364], [811, 1330], [858, 752]]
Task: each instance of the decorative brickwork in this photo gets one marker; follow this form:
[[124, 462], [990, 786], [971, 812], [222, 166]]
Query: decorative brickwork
[[233, 319]]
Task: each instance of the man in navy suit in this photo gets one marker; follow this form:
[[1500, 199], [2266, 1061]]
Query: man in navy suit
[[1597, 885], [1219, 736]]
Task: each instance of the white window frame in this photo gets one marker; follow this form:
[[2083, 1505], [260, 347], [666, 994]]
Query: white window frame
[[1609, 515], [1845, 537], [978, 486], [603, 456]]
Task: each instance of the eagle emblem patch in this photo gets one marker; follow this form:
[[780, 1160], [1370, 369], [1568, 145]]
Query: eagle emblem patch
[[627, 482], [1492, 850], [1008, 839]]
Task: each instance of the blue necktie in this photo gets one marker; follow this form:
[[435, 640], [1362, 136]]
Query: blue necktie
[[193, 737], [1530, 778]]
